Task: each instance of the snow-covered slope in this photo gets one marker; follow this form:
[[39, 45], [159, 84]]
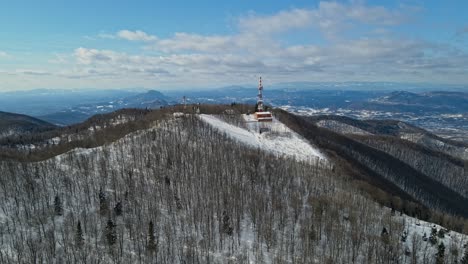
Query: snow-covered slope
[[281, 140], [423, 229], [177, 174]]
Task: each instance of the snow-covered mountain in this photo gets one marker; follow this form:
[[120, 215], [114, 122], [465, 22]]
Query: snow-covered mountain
[[78, 113], [173, 186]]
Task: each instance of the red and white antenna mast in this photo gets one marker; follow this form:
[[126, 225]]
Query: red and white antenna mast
[[260, 96]]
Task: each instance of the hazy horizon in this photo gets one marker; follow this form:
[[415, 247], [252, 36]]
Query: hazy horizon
[[301, 85]]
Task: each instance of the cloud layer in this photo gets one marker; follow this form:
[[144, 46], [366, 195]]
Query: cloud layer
[[331, 42]]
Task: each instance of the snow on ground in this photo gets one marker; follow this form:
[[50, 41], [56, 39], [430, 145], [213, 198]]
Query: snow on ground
[[7, 133], [422, 228], [281, 140], [416, 229]]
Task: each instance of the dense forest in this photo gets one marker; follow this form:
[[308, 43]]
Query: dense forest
[[161, 189]]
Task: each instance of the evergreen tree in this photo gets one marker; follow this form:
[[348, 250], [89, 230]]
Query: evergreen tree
[[385, 236], [384, 231], [79, 240], [58, 206], [118, 209], [111, 235], [441, 233], [226, 225], [433, 237], [440, 254], [151, 238], [103, 206], [178, 202], [404, 236], [166, 179]]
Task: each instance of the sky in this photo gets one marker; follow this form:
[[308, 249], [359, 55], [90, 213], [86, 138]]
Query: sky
[[201, 44]]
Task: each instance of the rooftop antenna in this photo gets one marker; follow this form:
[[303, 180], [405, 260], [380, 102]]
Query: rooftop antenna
[[260, 96]]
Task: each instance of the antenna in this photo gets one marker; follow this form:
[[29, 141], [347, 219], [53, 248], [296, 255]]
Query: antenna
[[260, 96]]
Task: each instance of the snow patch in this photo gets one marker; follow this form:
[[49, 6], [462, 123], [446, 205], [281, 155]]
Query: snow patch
[[280, 141], [423, 229]]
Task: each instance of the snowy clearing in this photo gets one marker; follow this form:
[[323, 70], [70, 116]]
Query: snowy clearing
[[281, 141], [416, 227]]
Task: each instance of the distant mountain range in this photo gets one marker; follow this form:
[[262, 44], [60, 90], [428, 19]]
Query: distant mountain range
[[46, 101], [151, 100], [63, 107], [438, 100]]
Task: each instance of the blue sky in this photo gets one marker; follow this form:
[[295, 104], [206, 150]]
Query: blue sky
[[185, 44]]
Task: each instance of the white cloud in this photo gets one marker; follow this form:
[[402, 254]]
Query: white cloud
[[329, 17], [259, 34], [137, 35], [280, 22], [3, 54], [32, 72], [194, 42], [359, 58], [259, 47], [374, 15], [129, 35], [92, 63], [89, 56]]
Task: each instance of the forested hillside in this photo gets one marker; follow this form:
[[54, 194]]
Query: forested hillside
[[11, 124], [172, 189], [440, 159], [413, 172]]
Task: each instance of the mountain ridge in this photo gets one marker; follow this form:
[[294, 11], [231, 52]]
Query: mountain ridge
[[12, 123]]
